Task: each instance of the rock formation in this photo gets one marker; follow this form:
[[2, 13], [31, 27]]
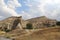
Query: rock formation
[[17, 22], [10, 23], [41, 22]]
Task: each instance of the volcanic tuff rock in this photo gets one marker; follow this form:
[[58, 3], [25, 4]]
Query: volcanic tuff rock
[[17, 22]]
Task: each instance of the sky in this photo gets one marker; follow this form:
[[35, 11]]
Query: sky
[[30, 8]]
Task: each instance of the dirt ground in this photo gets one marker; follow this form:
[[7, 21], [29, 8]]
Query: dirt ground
[[44, 34]]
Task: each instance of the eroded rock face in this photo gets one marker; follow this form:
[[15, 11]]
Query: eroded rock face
[[10, 23], [41, 22], [17, 22]]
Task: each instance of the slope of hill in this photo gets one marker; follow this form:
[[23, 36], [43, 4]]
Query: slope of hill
[[43, 29], [44, 34]]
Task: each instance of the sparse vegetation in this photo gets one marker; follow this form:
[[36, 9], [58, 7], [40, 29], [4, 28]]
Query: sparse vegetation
[[58, 23], [29, 26], [43, 26], [6, 30]]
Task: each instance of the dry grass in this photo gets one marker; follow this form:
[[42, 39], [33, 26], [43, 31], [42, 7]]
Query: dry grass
[[37, 34], [44, 34]]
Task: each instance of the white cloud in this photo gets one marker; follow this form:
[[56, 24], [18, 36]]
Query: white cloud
[[25, 15], [13, 4], [6, 11], [49, 8]]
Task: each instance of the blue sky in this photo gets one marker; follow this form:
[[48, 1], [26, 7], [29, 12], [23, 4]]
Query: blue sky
[[30, 8]]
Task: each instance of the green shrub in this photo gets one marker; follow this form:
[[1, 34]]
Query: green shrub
[[7, 30], [29, 26]]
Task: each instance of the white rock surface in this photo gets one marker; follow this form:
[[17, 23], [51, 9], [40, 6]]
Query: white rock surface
[[3, 38]]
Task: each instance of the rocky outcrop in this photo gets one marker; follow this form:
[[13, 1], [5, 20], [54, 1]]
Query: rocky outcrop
[[17, 22], [10, 23], [41, 22]]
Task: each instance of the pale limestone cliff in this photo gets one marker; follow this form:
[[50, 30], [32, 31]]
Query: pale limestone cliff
[[17, 22]]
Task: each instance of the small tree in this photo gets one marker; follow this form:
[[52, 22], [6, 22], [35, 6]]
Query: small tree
[[6, 30], [29, 26], [58, 23]]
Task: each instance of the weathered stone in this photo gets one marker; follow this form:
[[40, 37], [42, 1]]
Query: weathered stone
[[3, 38], [42, 22], [17, 22], [10, 23]]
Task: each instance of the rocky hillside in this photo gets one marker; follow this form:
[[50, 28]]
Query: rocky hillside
[[43, 28]]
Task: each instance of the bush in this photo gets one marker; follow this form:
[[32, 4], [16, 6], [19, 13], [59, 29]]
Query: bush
[[58, 23], [29, 26], [7, 30]]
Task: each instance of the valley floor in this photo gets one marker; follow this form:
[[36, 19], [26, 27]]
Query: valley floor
[[52, 33]]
